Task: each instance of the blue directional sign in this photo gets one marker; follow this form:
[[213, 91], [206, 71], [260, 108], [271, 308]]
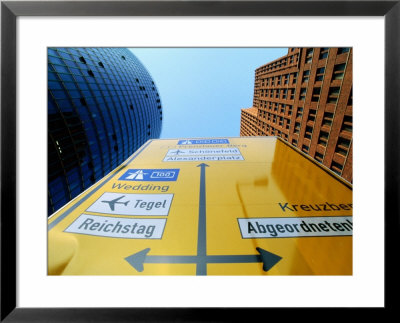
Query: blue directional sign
[[150, 175], [203, 141]]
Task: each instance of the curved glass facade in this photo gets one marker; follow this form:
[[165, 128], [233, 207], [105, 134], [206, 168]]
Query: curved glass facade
[[102, 106]]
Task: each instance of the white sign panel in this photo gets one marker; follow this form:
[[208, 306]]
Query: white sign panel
[[203, 151], [132, 204], [296, 227], [201, 158], [105, 226]]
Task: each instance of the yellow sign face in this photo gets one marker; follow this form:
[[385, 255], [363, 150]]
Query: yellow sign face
[[218, 206]]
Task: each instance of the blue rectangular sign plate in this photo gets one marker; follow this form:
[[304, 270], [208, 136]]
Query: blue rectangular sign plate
[[150, 175]]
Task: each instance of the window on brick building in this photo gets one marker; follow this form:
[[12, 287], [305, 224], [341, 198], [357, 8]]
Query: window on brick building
[[319, 157], [306, 76], [305, 148], [308, 132], [327, 119], [292, 94], [338, 71], [336, 167], [294, 78], [299, 112], [323, 53], [294, 142], [341, 151], [312, 114], [303, 94], [315, 94], [347, 124], [309, 55], [342, 146], [297, 127], [342, 50], [320, 74], [333, 94], [323, 138]]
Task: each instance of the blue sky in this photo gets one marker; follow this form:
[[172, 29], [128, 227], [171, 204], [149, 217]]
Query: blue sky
[[203, 89]]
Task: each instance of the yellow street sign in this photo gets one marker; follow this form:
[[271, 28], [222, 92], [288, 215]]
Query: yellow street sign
[[212, 206]]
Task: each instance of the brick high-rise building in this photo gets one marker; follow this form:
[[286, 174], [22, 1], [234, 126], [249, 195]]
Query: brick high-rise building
[[306, 98]]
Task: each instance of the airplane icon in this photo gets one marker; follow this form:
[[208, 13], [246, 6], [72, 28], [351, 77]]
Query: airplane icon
[[115, 201], [177, 152]]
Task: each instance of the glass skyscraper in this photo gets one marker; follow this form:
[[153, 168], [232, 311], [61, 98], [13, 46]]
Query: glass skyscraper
[[102, 106]]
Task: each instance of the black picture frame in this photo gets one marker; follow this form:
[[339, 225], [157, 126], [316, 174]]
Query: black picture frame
[[10, 10]]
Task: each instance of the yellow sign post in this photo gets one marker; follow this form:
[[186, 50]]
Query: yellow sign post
[[219, 206]]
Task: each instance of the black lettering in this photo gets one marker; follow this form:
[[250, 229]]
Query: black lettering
[[334, 207], [133, 228], [304, 227], [251, 228], [323, 227], [317, 207], [344, 206], [117, 225], [271, 230], [285, 207], [280, 228], [347, 226], [126, 228], [150, 230], [115, 185], [105, 228], [294, 206], [101, 227], [325, 209], [261, 228], [313, 225], [141, 229], [295, 226], [305, 207], [94, 226], [338, 226], [328, 224], [86, 223], [289, 228]]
